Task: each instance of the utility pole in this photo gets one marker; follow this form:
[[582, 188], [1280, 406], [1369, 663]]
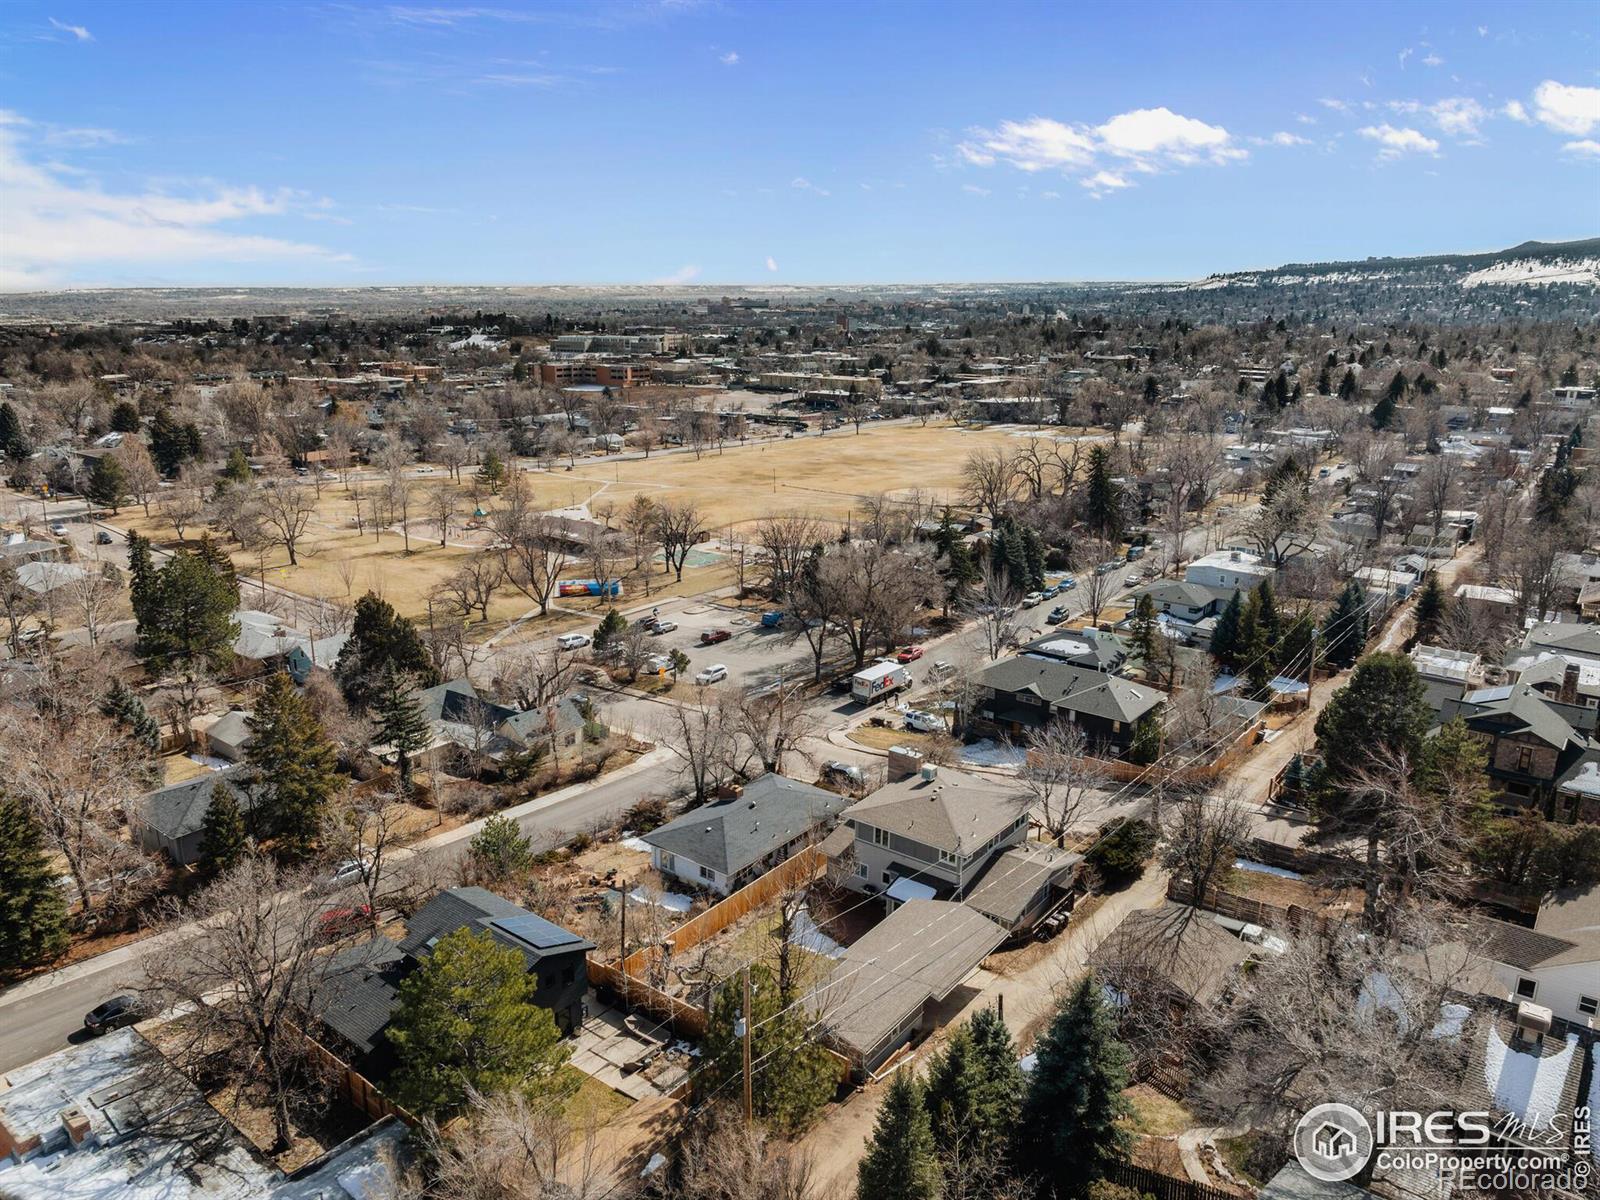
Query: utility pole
[[622, 961], [749, 1107]]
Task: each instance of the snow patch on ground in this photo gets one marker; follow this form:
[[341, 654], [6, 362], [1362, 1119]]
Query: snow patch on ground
[[1526, 1085], [1537, 272], [633, 843], [807, 936], [989, 753], [671, 901]]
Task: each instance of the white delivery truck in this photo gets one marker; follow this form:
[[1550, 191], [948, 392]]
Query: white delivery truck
[[877, 681]]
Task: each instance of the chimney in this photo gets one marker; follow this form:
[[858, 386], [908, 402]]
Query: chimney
[[1569, 684], [904, 762], [1533, 1022], [76, 1122]]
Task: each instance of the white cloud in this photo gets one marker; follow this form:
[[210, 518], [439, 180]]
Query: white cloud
[[60, 222], [801, 183], [730, 59], [1032, 145], [1566, 108], [684, 274], [1305, 119], [1517, 112], [1049, 195], [1284, 138], [1405, 54], [77, 31], [973, 189], [1459, 116], [1433, 60], [772, 263], [1335, 105], [1586, 148], [1483, 31], [1145, 141], [1396, 142]]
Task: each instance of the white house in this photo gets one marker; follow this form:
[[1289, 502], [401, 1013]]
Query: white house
[[1228, 569], [1556, 963]]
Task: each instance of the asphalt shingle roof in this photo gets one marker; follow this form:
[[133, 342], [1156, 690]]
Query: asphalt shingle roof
[[730, 835], [953, 812], [1073, 689], [180, 810]]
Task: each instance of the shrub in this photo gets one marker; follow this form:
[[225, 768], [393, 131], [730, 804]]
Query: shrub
[[1121, 851]]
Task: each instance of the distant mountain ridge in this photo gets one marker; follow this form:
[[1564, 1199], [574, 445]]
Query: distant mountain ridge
[[1530, 263]]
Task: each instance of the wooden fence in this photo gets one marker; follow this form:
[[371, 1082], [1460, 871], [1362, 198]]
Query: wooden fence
[[1164, 1187], [801, 868], [1122, 771], [355, 1088], [1291, 918], [687, 1020]]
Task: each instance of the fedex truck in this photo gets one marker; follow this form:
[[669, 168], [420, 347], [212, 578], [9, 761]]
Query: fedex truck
[[588, 587], [877, 681]]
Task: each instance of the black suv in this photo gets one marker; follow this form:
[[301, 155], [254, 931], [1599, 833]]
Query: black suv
[[113, 1014]]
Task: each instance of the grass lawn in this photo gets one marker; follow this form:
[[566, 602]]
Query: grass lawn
[[879, 738], [594, 1102], [825, 476], [1155, 1114]]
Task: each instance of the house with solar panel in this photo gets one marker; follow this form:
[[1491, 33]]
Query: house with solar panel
[[360, 986]]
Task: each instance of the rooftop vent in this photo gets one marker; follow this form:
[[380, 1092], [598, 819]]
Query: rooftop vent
[[930, 772]]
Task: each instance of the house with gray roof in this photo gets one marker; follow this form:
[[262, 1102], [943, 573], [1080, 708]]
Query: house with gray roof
[[883, 991], [1533, 741], [1572, 640], [1024, 883], [932, 835], [461, 717], [1096, 649], [171, 820], [724, 845], [1027, 692], [359, 986]]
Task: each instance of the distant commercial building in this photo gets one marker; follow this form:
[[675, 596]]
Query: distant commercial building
[[581, 371], [865, 386]]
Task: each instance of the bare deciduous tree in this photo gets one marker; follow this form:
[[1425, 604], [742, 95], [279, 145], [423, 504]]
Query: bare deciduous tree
[[1058, 778], [286, 510], [680, 526]]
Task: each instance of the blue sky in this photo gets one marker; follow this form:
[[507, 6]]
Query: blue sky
[[661, 140]]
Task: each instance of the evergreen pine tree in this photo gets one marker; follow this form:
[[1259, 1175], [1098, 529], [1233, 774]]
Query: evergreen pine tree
[[400, 723], [141, 578], [493, 472], [1102, 504], [222, 836], [169, 444], [292, 766], [1033, 554], [1070, 1133], [1382, 412], [1344, 631], [1143, 631], [13, 443], [999, 1097], [1430, 607], [794, 1077], [185, 615], [1348, 387], [108, 486], [237, 468], [215, 557], [1384, 705], [123, 706], [900, 1163], [467, 1020], [951, 1093], [380, 638], [33, 915], [125, 417], [1225, 636]]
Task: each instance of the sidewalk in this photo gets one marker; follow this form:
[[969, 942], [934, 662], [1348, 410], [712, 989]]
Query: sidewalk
[[125, 954]]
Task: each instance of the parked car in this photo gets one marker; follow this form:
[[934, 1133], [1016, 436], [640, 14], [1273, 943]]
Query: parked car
[[572, 641], [114, 1014], [940, 669], [350, 870], [1068, 584], [771, 620], [712, 637], [1134, 578], [715, 673], [1051, 592], [845, 773], [59, 528], [1056, 615], [345, 921], [661, 627], [1106, 568], [657, 663], [102, 538], [924, 722], [908, 654], [1033, 599]]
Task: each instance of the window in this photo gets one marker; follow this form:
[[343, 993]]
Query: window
[[568, 975], [669, 862], [708, 874], [1524, 757], [861, 870], [946, 859], [1588, 1005], [1526, 988], [880, 837]]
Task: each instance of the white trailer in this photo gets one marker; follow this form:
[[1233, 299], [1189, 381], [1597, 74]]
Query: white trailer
[[877, 681]]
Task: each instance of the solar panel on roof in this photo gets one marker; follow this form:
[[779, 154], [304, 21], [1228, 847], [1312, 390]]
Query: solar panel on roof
[[533, 931]]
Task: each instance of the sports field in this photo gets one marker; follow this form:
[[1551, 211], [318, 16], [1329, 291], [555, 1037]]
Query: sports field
[[825, 476]]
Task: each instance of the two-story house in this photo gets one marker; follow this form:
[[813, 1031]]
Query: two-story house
[[1029, 691], [931, 835], [1556, 963], [1532, 741], [359, 987]]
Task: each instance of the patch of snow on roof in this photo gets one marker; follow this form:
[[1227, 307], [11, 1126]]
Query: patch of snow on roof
[[1528, 1086]]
